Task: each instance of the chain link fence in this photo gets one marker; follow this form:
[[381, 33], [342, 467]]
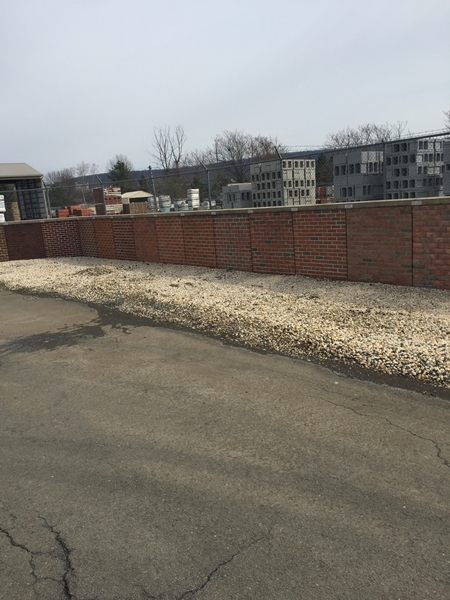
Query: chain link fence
[[413, 167]]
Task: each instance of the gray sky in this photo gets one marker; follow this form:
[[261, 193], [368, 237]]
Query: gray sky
[[83, 80]]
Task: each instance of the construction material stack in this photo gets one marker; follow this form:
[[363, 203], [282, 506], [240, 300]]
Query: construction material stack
[[2, 209], [193, 199]]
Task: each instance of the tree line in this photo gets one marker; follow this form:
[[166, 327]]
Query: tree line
[[227, 159]]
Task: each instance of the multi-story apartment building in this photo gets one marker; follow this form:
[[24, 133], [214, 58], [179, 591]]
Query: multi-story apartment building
[[403, 169], [414, 169], [237, 195], [293, 182], [446, 173], [358, 175]]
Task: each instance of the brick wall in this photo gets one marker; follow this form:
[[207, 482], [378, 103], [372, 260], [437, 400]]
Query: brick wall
[[233, 242], [431, 246], [24, 241], [61, 238], [104, 238], [123, 233], [379, 244], [398, 242], [87, 237], [145, 239], [272, 242], [169, 231], [4, 256], [199, 243], [320, 243]]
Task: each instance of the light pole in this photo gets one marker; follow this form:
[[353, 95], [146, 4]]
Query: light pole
[[282, 176], [209, 181], [153, 183]]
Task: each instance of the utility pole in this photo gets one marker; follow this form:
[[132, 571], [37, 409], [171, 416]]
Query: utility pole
[[209, 181], [153, 183], [282, 175]]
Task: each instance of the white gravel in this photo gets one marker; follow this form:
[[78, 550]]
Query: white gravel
[[396, 330]]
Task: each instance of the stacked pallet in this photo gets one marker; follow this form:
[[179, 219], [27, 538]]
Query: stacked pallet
[[2, 209]]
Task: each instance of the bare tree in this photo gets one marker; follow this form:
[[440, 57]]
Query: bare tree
[[365, 134], [447, 118], [238, 149], [168, 146]]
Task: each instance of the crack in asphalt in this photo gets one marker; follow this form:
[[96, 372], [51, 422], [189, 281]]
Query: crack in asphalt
[[194, 591], [69, 570], [32, 554], [444, 461]]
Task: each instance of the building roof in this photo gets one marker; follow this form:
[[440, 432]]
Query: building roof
[[138, 194], [17, 171]]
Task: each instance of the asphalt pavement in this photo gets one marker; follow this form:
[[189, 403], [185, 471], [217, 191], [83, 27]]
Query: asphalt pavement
[[142, 462]]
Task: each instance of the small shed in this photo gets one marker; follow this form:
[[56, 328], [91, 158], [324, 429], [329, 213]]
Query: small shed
[[138, 196]]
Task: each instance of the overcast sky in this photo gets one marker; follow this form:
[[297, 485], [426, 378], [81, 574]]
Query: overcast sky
[[83, 80]]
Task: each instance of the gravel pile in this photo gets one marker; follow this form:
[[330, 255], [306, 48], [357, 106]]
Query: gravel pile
[[394, 330]]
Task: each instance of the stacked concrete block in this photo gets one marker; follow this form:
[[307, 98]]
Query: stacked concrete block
[[2, 209]]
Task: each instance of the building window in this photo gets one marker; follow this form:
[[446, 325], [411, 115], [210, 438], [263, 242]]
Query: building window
[[254, 196], [296, 164], [358, 167], [274, 194], [404, 147], [289, 164], [404, 183], [279, 194], [388, 185], [312, 182], [301, 164], [290, 193], [419, 170], [396, 147], [274, 175], [388, 161], [350, 192], [395, 160], [296, 183], [412, 183], [259, 196], [412, 158], [343, 170], [351, 169], [336, 170], [344, 192], [404, 172], [302, 192], [396, 172], [307, 164], [253, 178], [412, 195], [295, 192]]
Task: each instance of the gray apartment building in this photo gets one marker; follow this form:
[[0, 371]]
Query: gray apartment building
[[291, 184], [404, 169], [446, 173], [237, 195], [358, 175], [414, 169]]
